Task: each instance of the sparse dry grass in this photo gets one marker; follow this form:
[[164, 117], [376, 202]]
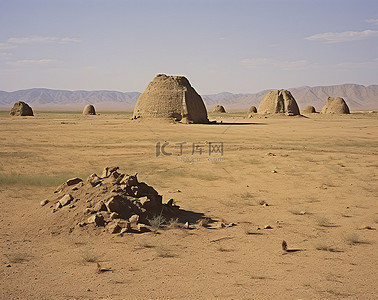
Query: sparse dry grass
[[324, 222], [164, 252]]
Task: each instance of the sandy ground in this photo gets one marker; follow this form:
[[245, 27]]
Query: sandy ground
[[320, 199]]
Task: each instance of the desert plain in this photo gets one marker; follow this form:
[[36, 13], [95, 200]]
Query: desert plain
[[310, 181]]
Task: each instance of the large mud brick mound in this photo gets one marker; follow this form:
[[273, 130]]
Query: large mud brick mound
[[21, 109], [171, 97], [279, 101], [219, 109], [89, 110], [114, 200], [335, 105]]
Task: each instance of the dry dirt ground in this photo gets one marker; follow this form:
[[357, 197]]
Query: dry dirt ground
[[322, 200]]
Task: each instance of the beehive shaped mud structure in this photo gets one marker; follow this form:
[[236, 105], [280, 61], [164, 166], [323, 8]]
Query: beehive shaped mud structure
[[279, 101], [171, 97]]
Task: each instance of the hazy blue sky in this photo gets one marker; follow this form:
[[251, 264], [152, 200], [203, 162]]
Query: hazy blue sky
[[219, 45]]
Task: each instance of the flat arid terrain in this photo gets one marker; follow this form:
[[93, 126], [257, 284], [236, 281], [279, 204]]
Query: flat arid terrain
[[309, 181]]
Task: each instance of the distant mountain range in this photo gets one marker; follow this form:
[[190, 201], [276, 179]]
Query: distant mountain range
[[358, 97]]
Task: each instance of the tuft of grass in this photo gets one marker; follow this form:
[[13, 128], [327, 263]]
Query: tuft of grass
[[34, 180], [353, 239], [298, 212], [18, 258], [223, 249], [162, 251], [88, 256], [259, 277], [175, 224], [324, 222], [251, 230], [324, 246], [145, 244], [156, 222]]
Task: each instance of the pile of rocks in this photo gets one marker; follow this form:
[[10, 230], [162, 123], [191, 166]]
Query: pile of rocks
[[114, 200]]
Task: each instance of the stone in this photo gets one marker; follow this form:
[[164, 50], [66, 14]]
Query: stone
[[93, 179], [44, 202], [66, 199], [108, 171], [134, 220], [100, 206], [113, 228], [97, 219], [143, 228], [114, 205], [73, 181]]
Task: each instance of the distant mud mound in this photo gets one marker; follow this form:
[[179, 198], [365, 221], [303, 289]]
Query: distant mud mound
[[21, 108], [114, 200], [89, 110], [219, 109], [279, 101], [335, 105], [309, 110], [120, 204]]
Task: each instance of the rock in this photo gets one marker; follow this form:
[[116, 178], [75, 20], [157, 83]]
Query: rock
[[134, 220], [100, 206], [114, 205], [93, 179], [274, 171], [44, 202], [98, 219], [108, 171], [114, 215], [268, 227], [82, 224], [143, 228], [73, 181], [57, 205], [113, 228], [66, 199]]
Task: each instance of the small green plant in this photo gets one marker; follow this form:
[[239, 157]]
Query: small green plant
[[175, 224], [156, 222]]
